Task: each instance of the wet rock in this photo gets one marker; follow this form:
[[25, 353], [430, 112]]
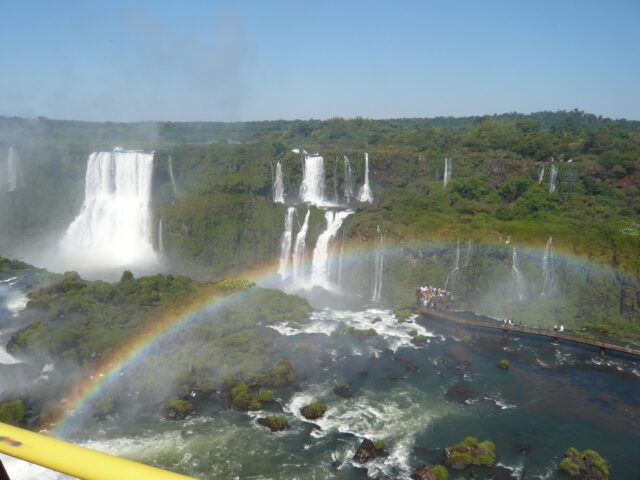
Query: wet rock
[[313, 411], [376, 320], [460, 393], [408, 365], [336, 464], [393, 376], [523, 448], [430, 473], [342, 390], [274, 423], [365, 452], [363, 373]]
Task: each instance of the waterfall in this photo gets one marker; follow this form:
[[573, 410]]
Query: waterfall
[[321, 253], [447, 172], [335, 181], [278, 185], [299, 251], [10, 183], [518, 287], [348, 180], [285, 243], [541, 175], [174, 186], [113, 227], [312, 187], [553, 178], [452, 278], [160, 239], [547, 268], [365, 194], [378, 267]]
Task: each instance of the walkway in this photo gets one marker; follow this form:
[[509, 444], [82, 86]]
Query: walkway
[[541, 332]]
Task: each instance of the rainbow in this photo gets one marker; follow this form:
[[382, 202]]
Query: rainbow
[[85, 394]]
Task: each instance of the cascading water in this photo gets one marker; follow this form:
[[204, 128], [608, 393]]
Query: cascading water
[[312, 187], [541, 175], [285, 243], [518, 286], [174, 186], [11, 182], [335, 181], [348, 180], [553, 178], [457, 272], [278, 185], [547, 268], [112, 229], [299, 251], [366, 195], [447, 172], [452, 279], [160, 238], [378, 267], [321, 253]]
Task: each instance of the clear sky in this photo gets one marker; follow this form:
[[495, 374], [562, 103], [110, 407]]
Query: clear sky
[[259, 59]]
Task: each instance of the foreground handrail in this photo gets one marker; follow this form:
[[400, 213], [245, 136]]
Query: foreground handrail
[[74, 460]]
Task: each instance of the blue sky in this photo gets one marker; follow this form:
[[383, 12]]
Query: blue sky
[[256, 60]]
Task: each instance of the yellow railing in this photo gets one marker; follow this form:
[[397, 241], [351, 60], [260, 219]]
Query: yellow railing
[[74, 460]]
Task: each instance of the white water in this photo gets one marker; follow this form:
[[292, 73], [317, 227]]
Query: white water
[[12, 170], [378, 267], [112, 229], [174, 186], [547, 268], [366, 195], [312, 187], [553, 178], [446, 178], [278, 185], [518, 286], [299, 252], [335, 181], [452, 279], [160, 237], [541, 175], [321, 253], [285, 243], [348, 180]]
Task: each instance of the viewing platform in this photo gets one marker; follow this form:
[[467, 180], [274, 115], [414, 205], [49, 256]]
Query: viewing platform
[[506, 329]]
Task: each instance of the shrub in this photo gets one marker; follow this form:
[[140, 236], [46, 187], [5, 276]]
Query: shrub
[[265, 396], [12, 412], [419, 340], [441, 472], [314, 410], [378, 444], [566, 465], [504, 364]]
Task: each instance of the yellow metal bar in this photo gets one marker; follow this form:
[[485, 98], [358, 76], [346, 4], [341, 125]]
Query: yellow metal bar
[[74, 460]]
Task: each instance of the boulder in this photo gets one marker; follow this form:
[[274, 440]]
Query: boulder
[[365, 452]]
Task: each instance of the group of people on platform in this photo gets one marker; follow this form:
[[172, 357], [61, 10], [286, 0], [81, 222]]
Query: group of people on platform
[[432, 296]]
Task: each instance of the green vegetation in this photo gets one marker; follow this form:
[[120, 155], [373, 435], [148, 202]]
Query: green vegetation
[[178, 409], [276, 423], [379, 444], [504, 364], [587, 465], [342, 390], [13, 412], [437, 472], [419, 340], [314, 410], [265, 396], [471, 452], [360, 332]]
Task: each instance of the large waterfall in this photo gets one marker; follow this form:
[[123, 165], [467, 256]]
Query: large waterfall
[[112, 229], [553, 178], [517, 285], [378, 267], [299, 252], [456, 274], [10, 182], [547, 268], [285, 243], [447, 172], [174, 186], [320, 267], [312, 187], [278, 185], [348, 180], [365, 192]]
